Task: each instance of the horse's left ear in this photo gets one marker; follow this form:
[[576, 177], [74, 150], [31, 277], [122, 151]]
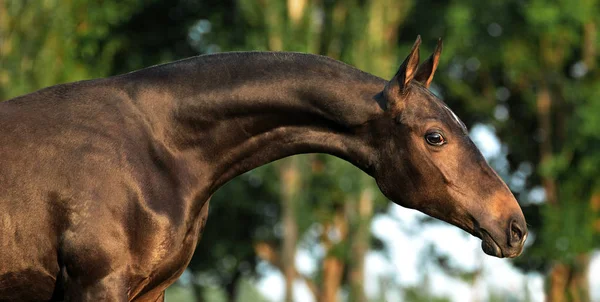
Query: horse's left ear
[[397, 86], [427, 69]]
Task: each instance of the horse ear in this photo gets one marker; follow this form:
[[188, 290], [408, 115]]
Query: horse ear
[[399, 83], [427, 69]]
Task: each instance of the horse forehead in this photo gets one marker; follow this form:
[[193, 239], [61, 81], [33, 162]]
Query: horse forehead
[[436, 107], [455, 118]]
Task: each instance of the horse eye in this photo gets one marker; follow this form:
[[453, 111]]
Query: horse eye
[[435, 139]]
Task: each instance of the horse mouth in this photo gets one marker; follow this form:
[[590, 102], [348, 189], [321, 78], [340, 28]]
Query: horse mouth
[[489, 245]]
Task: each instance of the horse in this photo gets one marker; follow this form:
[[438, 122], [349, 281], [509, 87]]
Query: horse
[[105, 183]]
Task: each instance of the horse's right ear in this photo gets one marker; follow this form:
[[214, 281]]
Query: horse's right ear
[[427, 69], [397, 86]]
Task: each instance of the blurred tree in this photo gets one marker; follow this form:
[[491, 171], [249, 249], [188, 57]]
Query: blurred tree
[[246, 211], [50, 42]]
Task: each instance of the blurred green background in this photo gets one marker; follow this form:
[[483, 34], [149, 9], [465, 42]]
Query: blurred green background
[[522, 74]]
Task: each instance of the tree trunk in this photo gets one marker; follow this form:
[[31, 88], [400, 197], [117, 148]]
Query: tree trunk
[[544, 103], [558, 283], [231, 289], [198, 292], [579, 288], [566, 282], [333, 266], [569, 283], [595, 205], [589, 45], [560, 272], [360, 245], [333, 270], [290, 183]]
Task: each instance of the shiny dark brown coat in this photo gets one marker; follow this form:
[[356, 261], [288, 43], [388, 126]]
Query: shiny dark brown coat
[[104, 184]]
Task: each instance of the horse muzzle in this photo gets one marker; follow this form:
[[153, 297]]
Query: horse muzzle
[[508, 243]]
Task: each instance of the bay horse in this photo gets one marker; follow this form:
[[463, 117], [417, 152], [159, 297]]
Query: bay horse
[[104, 184]]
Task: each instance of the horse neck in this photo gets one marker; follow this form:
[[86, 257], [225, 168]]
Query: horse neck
[[236, 112]]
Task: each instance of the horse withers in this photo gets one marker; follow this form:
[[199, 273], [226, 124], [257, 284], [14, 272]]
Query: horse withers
[[104, 184]]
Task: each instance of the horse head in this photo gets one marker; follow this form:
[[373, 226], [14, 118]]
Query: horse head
[[426, 161]]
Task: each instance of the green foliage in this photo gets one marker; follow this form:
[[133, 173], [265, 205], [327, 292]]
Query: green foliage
[[247, 291], [421, 293], [53, 41], [179, 293], [246, 210], [568, 232]]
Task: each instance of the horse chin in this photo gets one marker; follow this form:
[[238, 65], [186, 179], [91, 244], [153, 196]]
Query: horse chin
[[489, 245]]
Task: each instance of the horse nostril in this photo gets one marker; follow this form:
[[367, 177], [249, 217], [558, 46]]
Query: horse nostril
[[516, 233]]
